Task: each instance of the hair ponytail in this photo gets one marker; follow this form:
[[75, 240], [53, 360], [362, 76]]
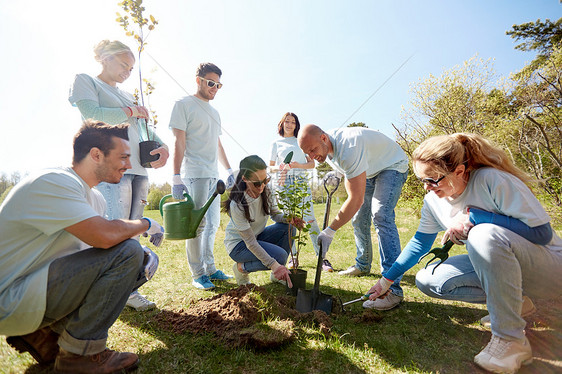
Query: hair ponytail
[[447, 152]]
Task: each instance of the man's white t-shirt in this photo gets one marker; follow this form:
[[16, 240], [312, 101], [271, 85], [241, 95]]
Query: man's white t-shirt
[[359, 149], [32, 222], [202, 125]]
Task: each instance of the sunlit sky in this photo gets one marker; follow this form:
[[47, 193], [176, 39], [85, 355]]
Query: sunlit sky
[[321, 59]]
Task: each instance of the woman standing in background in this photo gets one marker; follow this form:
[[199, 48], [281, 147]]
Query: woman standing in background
[[99, 98]]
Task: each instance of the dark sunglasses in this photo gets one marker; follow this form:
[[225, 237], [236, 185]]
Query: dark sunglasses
[[258, 184], [211, 83], [432, 182]]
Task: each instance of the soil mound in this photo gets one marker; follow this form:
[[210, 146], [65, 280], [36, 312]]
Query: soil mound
[[247, 315]]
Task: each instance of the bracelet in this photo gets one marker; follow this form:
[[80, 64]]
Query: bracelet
[[149, 224], [130, 110]]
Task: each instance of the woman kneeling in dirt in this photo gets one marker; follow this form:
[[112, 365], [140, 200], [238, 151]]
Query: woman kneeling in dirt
[[479, 198], [248, 241]]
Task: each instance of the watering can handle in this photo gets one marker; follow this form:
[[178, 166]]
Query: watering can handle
[[162, 201]]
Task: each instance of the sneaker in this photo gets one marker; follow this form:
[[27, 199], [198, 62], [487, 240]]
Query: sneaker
[[291, 264], [275, 280], [326, 266], [219, 276], [527, 309], [41, 345], [390, 301], [241, 278], [107, 361], [504, 356], [352, 271], [139, 303], [203, 283]]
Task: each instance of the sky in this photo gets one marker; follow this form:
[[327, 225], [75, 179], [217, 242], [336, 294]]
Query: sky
[[332, 62]]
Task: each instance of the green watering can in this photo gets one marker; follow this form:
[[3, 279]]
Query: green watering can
[[181, 219]]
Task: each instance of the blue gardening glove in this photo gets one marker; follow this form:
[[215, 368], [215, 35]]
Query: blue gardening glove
[[325, 239], [178, 187], [230, 180], [155, 231]]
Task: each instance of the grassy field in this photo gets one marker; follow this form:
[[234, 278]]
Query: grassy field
[[423, 335]]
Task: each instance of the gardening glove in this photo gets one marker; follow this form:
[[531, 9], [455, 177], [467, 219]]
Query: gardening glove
[[458, 230], [332, 178], [325, 239], [155, 231], [137, 111], [282, 273], [150, 263], [230, 180], [380, 289], [283, 170], [178, 187]]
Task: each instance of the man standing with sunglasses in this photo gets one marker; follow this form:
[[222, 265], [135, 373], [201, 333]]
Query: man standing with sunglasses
[[375, 169], [197, 126]]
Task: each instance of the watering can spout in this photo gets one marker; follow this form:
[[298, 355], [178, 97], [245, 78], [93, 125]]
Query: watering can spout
[[181, 219]]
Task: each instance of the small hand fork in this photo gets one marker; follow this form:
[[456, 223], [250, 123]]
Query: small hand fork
[[438, 252]]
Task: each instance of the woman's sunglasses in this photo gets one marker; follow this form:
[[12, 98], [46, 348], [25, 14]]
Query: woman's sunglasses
[[432, 182], [258, 184], [211, 83]]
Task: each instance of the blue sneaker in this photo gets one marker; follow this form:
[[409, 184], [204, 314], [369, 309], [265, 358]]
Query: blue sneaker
[[220, 276], [203, 283]]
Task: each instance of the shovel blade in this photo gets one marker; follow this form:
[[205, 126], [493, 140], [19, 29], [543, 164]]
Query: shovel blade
[[307, 301]]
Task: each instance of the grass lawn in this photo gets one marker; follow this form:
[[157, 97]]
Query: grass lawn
[[423, 335]]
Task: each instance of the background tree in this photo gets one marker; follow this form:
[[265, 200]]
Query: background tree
[[538, 36]]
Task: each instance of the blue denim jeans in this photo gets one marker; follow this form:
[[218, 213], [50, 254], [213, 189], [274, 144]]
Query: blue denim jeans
[[308, 217], [126, 199], [274, 239], [381, 195], [86, 292], [500, 268], [200, 249]]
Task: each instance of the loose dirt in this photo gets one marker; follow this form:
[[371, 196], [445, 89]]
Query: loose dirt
[[245, 316]]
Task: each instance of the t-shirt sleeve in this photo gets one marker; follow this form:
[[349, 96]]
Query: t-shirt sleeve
[[83, 88], [273, 153], [428, 223], [512, 197], [59, 202], [179, 118]]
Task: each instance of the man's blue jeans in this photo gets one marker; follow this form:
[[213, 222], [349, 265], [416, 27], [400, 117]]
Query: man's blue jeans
[[126, 199], [274, 239], [381, 195], [86, 292], [200, 249]]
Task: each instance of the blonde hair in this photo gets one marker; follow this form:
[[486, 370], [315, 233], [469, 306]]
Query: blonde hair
[[446, 152], [106, 48]]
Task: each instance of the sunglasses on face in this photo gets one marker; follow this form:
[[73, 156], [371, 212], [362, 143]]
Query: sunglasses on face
[[432, 182], [258, 184], [211, 83]]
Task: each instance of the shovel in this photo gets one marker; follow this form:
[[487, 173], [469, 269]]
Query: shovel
[[309, 300]]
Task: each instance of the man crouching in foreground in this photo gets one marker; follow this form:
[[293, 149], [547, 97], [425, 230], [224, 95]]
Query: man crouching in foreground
[[57, 302]]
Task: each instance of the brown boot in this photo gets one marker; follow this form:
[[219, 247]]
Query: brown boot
[[41, 344], [107, 361]]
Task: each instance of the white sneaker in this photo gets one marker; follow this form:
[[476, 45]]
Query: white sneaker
[[352, 271], [275, 280], [139, 302], [527, 309], [504, 356], [241, 278], [390, 301]]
